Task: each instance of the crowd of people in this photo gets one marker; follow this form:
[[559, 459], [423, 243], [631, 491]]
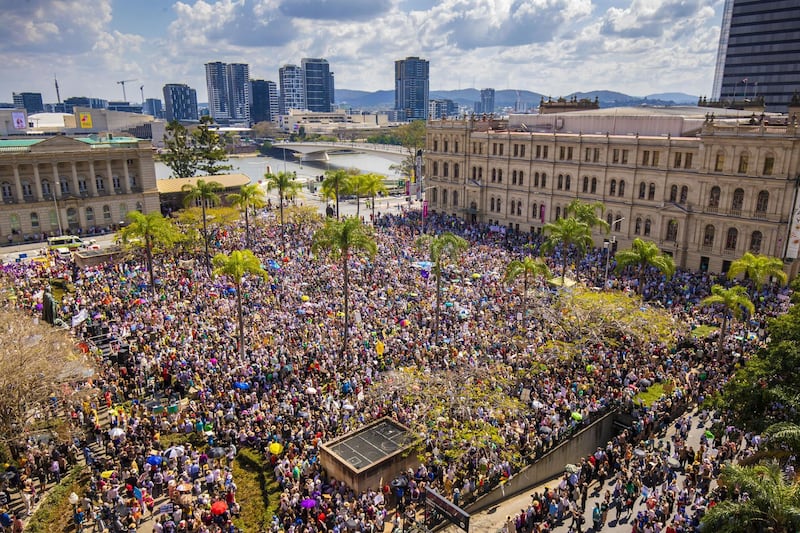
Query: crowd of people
[[175, 344]]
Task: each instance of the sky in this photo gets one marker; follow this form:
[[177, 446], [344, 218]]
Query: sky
[[553, 47]]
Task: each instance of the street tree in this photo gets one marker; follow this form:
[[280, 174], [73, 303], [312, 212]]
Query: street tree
[[335, 184], [235, 267], [249, 196], [526, 267], [206, 193], [564, 233], [179, 151], [209, 148], [287, 186], [341, 238], [441, 250], [586, 212], [759, 269], [734, 303], [412, 137], [149, 232], [373, 187], [642, 255]]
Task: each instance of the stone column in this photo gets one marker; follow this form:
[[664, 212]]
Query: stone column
[[56, 181], [92, 178], [126, 183], [74, 169], [18, 185], [37, 184]]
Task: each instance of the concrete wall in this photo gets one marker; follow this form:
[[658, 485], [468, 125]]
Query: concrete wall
[[552, 464]]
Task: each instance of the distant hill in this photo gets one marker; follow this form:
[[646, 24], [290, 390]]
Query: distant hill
[[507, 98]]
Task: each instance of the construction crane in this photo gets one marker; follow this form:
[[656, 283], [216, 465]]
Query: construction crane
[[123, 82]]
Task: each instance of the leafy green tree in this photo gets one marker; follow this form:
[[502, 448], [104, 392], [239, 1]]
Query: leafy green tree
[[643, 254], [412, 137], [209, 148], [758, 268], [734, 302], [587, 213], [235, 267], [773, 504], [373, 187], [147, 232], [441, 249], [335, 184], [340, 238], [525, 267], [179, 151], [287, 186], [206, 193], [249, 196], [566, 232]]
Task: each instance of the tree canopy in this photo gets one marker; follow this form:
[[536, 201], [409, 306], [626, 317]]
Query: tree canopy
[[201, 150]]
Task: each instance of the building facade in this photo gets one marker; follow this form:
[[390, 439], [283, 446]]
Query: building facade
[[318, 84], [180, 103], [228, 92], [217, 85], [30, 102], [411, 87], [73, 185], [264, 103], [293, 88], [758, 50], [706, 196], [487, 101], [152, 106]]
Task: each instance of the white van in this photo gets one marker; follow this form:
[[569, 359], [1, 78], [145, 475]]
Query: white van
[[71, 242]]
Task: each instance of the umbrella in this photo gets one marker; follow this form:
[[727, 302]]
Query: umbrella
[[708, 434], [241, 385], [536, 404], [184, 487], [308, 503], [673, 462], [638, 452], [348, 407], [216, 452], [275, 448], [545, 429], [576, 416], [175, 451], [572, 469], [154, 460], [219, 507], [115, 433], [311, 390], [106, 474]]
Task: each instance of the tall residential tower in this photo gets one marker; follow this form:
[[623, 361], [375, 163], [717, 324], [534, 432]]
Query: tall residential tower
[[411, 87], [180, 102], [228, 92], [318, 84]]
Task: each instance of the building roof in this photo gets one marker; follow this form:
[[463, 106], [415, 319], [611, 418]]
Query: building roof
[[175, 185], [25, 144]]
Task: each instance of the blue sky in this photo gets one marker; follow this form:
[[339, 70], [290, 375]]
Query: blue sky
[[554, 47]]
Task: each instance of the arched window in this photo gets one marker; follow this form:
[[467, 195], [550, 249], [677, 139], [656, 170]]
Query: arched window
[[535, 210], [27, 190], [82, 186], [107, 212], [100, 183], [647, 226], [123, 211], [541, 212], [738, 199], [494, 175], [731, 238], [46, 187], [558, 213], [618, 224], [651, 192], [499, 175], [444, 197], [713, 197], [513, 177], [609, 219], [498, 205], [684, 194], [455, 170], [455, 198], [708, 236], [568, 182], [622, 187], [755, 242], [53, 216], [89, 215], [637, 227], [535, 179], [672, 230], [673, 193], [72, 217], [474, 173], [491, 204], [513, 205], [14, 220], [560, 182], [64, 182], [8, 194], [446, 169], [117, 183], [519, 208], [520, 178], [35, 221], [642, 189], [435, 168], [586, 184], [612, 189], [762, 202], [544, 180], [594, 185]]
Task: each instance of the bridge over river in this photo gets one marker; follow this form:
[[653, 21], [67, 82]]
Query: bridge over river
[[319, 151]]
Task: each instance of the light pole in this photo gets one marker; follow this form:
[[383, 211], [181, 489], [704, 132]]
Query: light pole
[[55, 202], [607, 245]]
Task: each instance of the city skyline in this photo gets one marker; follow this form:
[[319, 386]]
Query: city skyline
[[636, 47]]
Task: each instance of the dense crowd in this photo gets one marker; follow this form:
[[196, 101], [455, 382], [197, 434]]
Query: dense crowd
[[296, 389]]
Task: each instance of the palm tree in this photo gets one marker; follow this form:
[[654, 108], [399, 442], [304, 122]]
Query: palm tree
[[147, 231], [784, 434], [250, 195], [335, 183], [206, 192], [734, 301], [566, 232], [287, 186], [441, 248], [587, 213], [528, 266], [357, 185], [340, 239], [373, 187], [773, 504], [235, 266], [758, 268], [643, 254]]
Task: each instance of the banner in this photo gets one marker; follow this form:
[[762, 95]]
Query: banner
[[80, 317], [18, 119], [86, 120]]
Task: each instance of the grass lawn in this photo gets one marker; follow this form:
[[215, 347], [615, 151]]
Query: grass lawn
[[653, 393], [701, 332], [54, 515], [257, 491]]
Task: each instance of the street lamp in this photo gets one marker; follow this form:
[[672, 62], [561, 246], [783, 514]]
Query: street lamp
[[425, 206], [55, 202], [607, 245]]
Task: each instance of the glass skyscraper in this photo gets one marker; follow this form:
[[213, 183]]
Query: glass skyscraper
[[759, 52], [411, 87], [318, 84], [228, 92], [180, 102]]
